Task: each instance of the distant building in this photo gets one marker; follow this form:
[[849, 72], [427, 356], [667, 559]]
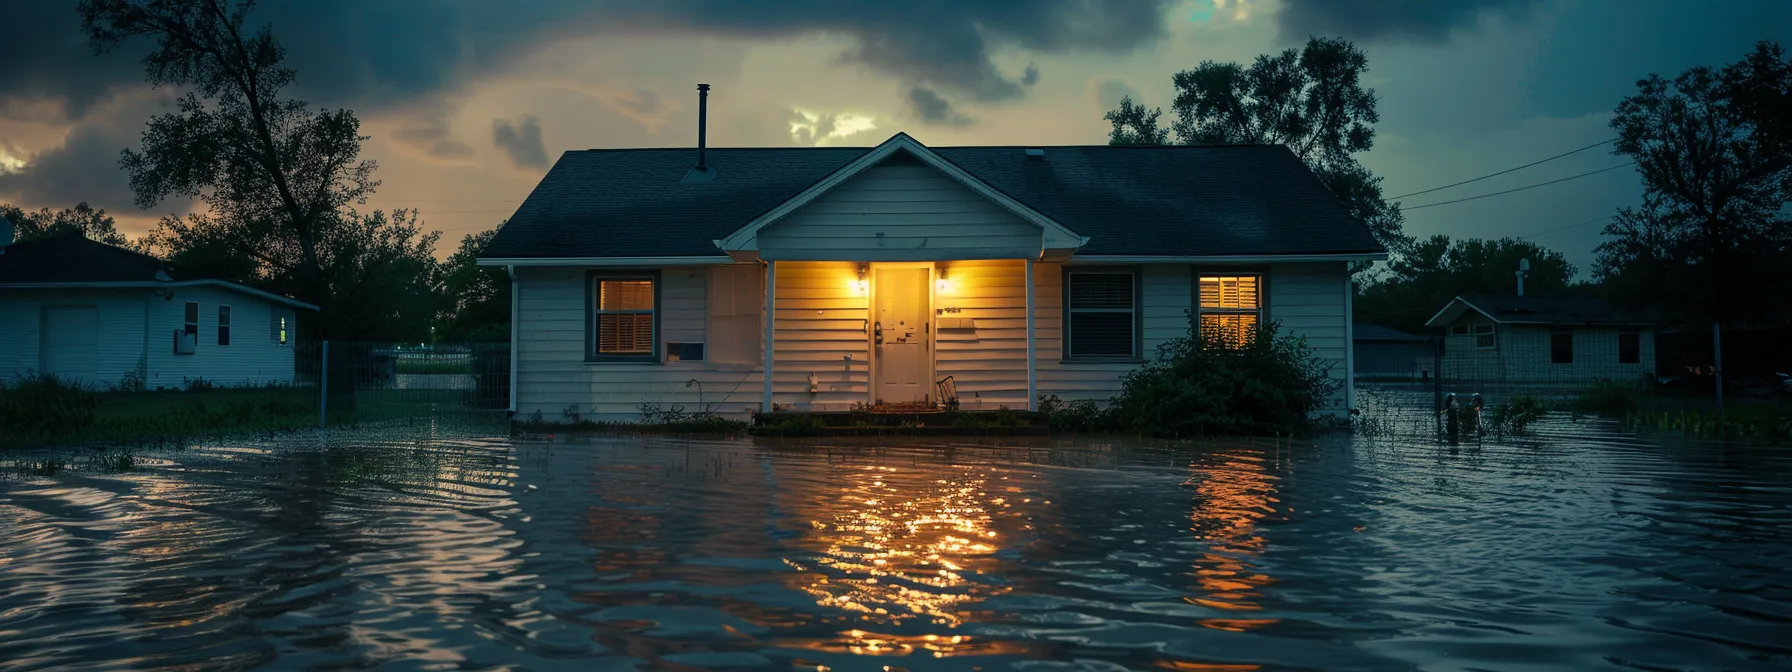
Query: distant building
[[1388, 354], [1526, 339], [99, 315]]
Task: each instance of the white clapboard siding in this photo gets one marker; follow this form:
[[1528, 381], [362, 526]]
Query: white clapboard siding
[[900, 211], [1308, 299], [821, 330], [136, 334], [987, 362], [1522, 354], [1167, 295], [554, 379]]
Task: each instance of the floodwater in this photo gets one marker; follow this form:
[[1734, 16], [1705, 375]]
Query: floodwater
[[1579, 549]]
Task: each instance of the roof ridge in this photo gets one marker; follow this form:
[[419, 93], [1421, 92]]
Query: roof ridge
[[932, 147]]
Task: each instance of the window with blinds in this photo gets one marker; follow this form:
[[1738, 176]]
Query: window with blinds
[[623, 318], [1231, 308], [735, 295], [1102, 317]]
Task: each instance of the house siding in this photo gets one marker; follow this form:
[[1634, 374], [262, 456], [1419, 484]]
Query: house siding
[[1522, 355], [1309, 301], [822, 331], [900, 212], [553, 378], [252, 358]]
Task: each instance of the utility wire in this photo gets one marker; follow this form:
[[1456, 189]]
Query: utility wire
[[1503, 172], [1508, 191]]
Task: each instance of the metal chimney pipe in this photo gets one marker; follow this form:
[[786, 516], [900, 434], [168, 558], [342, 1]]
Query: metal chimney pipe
[[702, 125]]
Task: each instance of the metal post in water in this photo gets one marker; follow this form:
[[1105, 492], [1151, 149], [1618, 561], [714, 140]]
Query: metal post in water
[[1717, 351], [323, 390]]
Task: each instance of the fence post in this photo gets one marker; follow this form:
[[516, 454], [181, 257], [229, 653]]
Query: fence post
[[323, 389], [1717, 353]]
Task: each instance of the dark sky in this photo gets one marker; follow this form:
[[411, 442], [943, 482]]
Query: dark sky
[[469, 101]]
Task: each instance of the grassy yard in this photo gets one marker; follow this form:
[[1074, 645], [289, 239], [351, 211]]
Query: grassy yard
[[152, 418]]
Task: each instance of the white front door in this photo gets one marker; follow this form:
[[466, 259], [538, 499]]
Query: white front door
[[71, 339], [901, 336]]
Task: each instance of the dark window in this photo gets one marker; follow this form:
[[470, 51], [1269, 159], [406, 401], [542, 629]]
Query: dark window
[[1102, 320], [684, 352], [191, 327], [1630, 348], [1561, 347], [1484, 336], [223, 325], [623, 317]]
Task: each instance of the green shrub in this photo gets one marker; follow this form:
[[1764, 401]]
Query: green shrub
[[40, 405], [1607, 398], [1081, 415], [1516, 416], [1270, 385]]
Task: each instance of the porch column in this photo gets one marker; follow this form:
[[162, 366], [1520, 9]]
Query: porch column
[[771, 318], [1032, 354]]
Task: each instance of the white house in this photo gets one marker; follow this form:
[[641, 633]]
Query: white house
[[1543, 340], [819, 278], [99, 314]]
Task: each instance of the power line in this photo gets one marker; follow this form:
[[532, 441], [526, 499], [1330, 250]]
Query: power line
[[1508, 191], [1503, 172]]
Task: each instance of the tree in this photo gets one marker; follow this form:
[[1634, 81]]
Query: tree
[[1432, 271], [82, 219], [274, 174], [480, 295], [1716, 162], [1311, 100]]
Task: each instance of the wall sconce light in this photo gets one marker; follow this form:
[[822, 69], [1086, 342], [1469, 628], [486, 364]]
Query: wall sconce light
[[860, 285], [942, 284]]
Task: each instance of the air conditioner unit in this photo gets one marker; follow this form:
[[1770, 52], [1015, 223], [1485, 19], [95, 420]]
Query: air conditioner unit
[[185, 342]]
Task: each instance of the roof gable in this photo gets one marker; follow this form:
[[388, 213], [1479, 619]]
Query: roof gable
[[745, 239]]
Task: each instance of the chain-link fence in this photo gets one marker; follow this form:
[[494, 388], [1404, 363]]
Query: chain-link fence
[[360, 382]]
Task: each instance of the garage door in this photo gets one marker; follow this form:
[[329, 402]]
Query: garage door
[[71, 340]]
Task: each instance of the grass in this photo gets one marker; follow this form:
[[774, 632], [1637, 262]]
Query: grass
[[161, 418], [1769, 423]]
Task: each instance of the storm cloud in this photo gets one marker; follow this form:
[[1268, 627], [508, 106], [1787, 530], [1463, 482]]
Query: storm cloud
[[371, 56], [521, 141], [930, 108], [1415, 20]]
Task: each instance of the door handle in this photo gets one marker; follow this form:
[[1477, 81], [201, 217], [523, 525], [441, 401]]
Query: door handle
[[877, 333]]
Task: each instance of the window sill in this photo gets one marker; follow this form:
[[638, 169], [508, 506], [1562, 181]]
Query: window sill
[[1108, 360], [602, 362]]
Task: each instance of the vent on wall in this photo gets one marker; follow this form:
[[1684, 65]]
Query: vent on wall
[[1035, 155]]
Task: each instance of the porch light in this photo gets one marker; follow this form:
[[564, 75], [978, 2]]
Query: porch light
[[860, 285], [943, 283]]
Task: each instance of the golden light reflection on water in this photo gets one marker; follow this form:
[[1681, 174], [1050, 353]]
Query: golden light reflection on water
[[903, 547], [1232, 497]]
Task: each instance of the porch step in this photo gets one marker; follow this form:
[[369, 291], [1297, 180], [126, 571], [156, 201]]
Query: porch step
[[891, 422]]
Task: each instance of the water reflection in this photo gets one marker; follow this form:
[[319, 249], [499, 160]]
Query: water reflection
[[1233, 493], [1572, 550]]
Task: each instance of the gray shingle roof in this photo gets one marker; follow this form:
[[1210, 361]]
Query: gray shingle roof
[[1363, 331], [1175, 200], [73, 258], [1553, 310]]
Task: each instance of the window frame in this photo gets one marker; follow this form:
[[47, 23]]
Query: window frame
[[1492, 334], [592, 278], [1638, 335], [223, 325], [1138, 327], [1262, 309], [1553, 350], [189, 317], [280, 328]]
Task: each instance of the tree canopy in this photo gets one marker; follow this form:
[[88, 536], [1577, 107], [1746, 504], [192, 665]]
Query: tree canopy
[[1435, 270], [275, 175], [1311, 100], [83, 219], [480, 295], [1711, 240]]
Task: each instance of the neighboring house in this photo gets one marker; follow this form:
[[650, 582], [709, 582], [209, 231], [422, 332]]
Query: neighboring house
[[101, 315], [1390, 354], [642, 276], [1534, 339]]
